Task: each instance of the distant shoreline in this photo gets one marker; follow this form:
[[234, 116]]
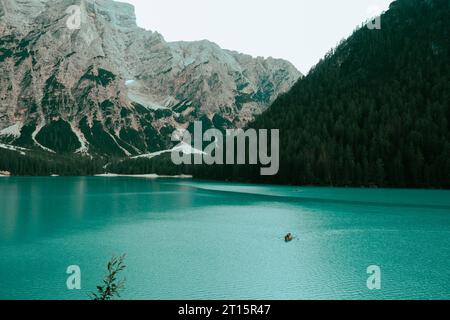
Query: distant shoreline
[[146, 176], [114, 175], [183, 176]]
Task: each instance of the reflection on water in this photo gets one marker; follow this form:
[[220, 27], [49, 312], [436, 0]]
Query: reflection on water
[[34, 207], [203, 240]]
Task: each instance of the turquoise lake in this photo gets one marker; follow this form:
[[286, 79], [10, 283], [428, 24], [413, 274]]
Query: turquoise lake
[[188, 239]]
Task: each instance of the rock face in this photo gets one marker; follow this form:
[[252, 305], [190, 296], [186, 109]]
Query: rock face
[[87, 79]]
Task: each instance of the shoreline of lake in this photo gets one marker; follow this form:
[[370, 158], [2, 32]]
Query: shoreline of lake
[[147, 176]]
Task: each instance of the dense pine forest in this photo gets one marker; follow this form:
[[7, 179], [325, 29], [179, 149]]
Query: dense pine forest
[[40, 163], [374, 112]]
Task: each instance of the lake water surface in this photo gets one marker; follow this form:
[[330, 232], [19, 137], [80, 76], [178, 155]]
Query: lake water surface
[[187, 239]]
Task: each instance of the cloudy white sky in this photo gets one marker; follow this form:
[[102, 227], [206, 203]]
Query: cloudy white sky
[[301, 31]]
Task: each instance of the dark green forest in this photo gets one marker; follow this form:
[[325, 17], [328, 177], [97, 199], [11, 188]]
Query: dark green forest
[[161, 165], [374, 112], [41, 163]]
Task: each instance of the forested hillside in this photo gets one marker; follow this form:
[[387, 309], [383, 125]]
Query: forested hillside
[[374, 111], [39, 163]]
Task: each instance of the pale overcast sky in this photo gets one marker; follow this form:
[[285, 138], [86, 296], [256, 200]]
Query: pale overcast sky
[[301, 31]]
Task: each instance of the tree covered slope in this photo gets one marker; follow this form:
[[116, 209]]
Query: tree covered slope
[[374, 111]]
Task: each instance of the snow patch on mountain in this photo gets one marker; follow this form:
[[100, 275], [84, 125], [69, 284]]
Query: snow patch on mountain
[[35, 133], [12, 131], [84, 149], [13, 148], [183, 148]]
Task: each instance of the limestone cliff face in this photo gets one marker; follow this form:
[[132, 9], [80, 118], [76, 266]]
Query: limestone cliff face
[[110, 87]]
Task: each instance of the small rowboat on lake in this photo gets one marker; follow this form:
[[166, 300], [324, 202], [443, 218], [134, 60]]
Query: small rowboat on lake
[[288, 237]]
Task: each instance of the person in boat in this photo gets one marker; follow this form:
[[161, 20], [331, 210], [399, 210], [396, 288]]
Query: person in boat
[[288, 237]]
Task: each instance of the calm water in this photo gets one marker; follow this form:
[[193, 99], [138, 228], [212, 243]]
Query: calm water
[[201, 240]]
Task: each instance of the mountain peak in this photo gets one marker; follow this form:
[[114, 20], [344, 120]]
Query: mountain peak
[[119, 14], [110, 87], [22, 14]]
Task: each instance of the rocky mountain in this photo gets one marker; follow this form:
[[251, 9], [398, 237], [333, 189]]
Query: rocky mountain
[[87, 79]]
